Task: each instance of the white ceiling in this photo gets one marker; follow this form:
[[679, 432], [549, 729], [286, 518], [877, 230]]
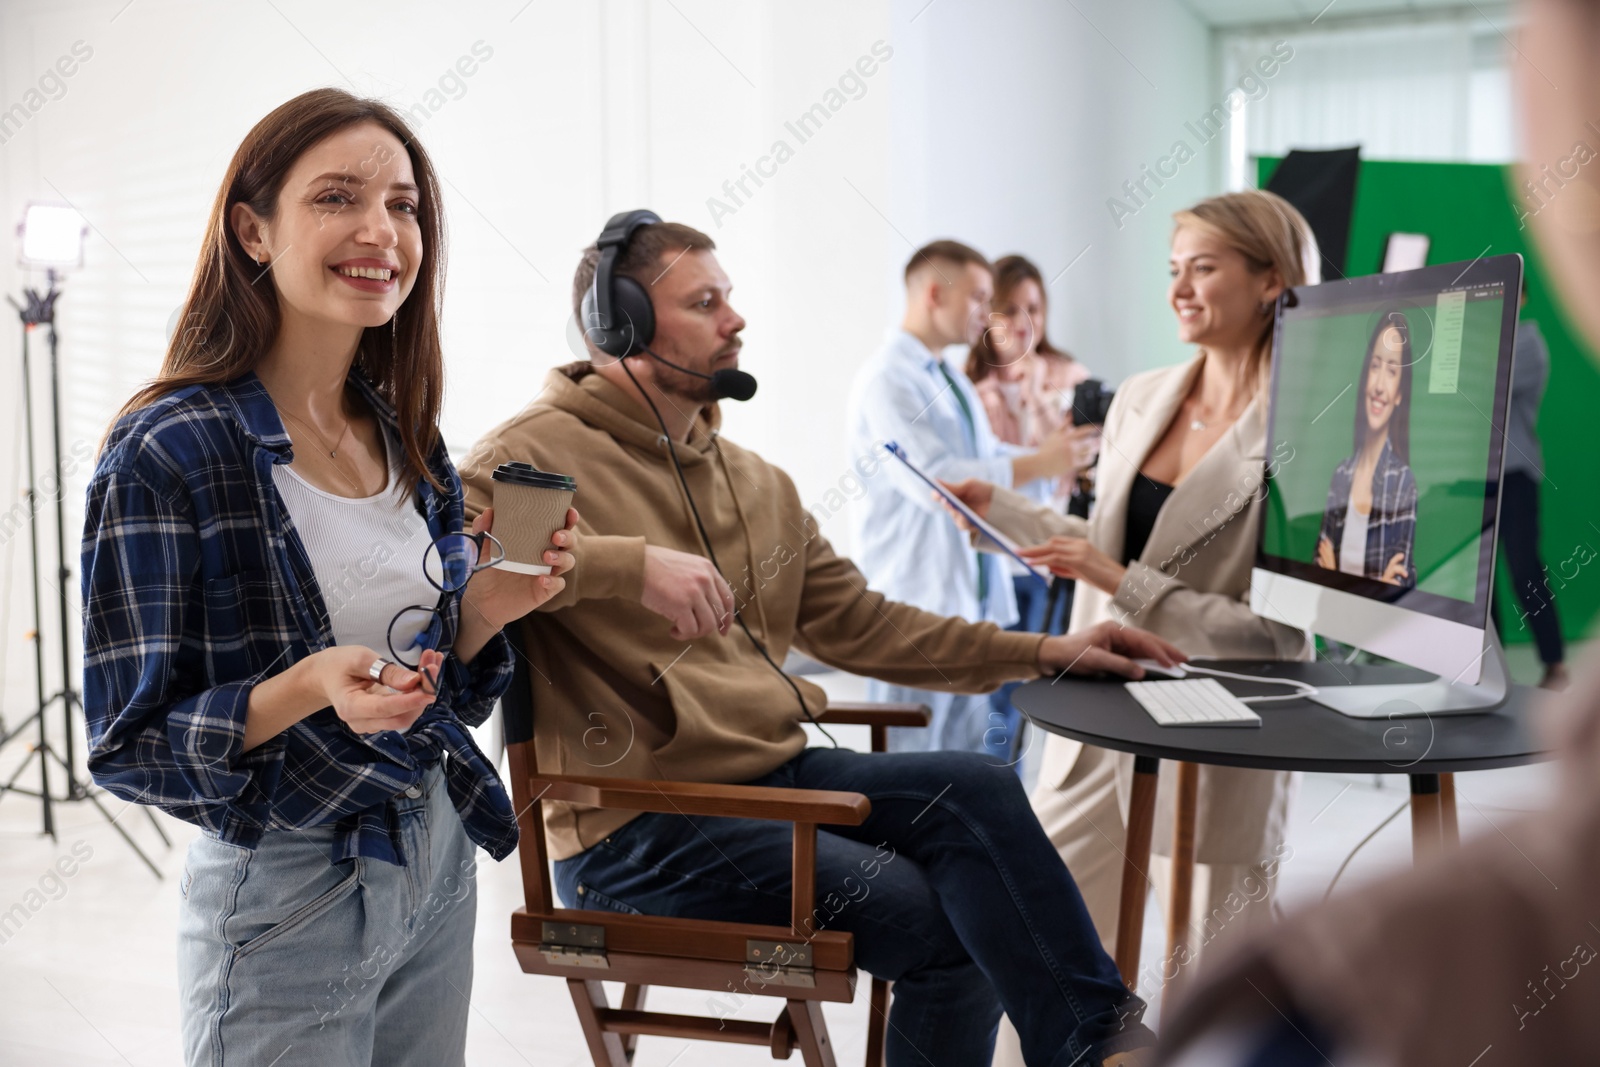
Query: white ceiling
[[1233, 13]]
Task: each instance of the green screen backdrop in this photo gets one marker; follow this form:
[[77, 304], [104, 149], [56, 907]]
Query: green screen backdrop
[[1469, 210]]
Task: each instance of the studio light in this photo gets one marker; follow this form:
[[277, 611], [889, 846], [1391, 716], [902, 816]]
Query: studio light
[[50, 237]]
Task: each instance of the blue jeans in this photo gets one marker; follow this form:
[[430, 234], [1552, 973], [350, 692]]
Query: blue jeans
[[1003, 738], [958, 722], [951, 888], [287, 958]]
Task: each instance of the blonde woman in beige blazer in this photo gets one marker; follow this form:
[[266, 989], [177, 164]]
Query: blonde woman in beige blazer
[[1196, 432], [1190, 585]]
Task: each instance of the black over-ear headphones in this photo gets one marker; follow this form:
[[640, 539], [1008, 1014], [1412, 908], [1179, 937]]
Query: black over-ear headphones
[[618, 317], [620, 320]]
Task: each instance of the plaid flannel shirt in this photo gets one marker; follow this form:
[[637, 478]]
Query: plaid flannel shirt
[[196, 586], [1392, 525]]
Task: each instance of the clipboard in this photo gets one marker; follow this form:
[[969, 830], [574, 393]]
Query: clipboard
[[1009, 546]]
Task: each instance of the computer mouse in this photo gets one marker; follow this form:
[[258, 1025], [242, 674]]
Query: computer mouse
[[1158, 670]]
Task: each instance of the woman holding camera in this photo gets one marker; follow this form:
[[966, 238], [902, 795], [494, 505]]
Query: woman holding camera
[[281, 644], [1169, 547], [1021, 379]]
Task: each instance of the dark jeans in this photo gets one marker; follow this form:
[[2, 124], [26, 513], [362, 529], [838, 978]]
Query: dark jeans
[[1003, 739], [951, 888], [1290, 1041], [1519, 540]]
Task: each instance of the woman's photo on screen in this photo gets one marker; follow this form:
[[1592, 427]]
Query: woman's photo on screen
[[1370, 522]]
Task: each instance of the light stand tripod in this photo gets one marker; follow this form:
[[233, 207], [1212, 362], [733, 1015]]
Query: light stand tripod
[[40, 310]]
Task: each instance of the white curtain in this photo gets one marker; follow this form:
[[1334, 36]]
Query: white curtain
[[1435, 90]]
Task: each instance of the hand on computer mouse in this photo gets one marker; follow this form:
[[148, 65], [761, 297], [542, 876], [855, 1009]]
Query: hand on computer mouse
[[1107, 647]]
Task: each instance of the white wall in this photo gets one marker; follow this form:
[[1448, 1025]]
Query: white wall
[[1007, 124], [1402, 87], [1016, 122]]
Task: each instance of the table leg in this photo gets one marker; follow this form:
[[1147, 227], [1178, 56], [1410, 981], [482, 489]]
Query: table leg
[[1183, 834], [1135, 864], [1427, 823], [1447, 808]]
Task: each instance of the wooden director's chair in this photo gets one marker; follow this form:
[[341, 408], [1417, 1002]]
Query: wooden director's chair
[[590, 947]]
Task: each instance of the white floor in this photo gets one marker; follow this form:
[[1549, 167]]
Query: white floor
[[89, 978]]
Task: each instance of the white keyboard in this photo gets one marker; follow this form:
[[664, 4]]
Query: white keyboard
[[1192, 702]]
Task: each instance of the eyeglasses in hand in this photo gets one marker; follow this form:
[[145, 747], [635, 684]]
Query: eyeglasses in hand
[[449, 563]]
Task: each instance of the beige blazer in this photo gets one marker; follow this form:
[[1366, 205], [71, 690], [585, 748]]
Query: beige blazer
[[1191, 585]]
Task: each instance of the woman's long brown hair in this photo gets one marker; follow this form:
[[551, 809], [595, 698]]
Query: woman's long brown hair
[[229, 322], [1010, 272]]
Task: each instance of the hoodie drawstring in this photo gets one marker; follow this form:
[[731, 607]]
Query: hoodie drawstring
[[749, 545]]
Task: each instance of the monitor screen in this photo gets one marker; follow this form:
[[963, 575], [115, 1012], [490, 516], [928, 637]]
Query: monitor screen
[[1386, 435]]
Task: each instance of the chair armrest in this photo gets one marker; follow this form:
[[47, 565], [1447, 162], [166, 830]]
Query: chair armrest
[[850, 714], [702, 798]]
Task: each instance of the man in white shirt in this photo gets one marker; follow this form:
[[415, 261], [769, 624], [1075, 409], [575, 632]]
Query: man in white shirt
[[905, 544]]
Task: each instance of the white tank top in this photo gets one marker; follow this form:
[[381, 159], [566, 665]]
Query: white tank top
[[1353, 546], [366, 552]]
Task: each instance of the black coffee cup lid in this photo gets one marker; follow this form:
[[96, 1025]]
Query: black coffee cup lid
[[529, 475]]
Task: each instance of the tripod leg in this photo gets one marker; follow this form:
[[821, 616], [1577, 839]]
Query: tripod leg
[[8, 736], [137, 851], [63, 572], [21, 768], [76, 788], [38, 611], [155, 824], [94, 798], [46, 801]]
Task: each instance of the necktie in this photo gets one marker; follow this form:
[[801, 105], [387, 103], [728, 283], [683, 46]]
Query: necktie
[[972, 438]]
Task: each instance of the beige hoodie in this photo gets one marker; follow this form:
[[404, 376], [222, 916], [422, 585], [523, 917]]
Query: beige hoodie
[[614, 694]]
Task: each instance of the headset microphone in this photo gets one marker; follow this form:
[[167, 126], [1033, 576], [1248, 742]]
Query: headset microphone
[[726, 384]]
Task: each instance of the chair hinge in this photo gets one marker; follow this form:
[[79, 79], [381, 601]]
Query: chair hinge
[[574, 944], [784, 963]]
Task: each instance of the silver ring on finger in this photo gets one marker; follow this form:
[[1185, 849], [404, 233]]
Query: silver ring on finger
[[375, 672]]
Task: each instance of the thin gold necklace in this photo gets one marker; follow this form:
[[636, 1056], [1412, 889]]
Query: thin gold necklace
[[333, 452], [1196, 423]]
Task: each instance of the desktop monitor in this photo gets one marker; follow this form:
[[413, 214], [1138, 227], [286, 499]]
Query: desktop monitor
[[1386, 436]]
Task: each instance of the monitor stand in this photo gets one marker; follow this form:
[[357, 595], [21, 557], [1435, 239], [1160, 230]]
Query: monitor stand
[[1438, 697]]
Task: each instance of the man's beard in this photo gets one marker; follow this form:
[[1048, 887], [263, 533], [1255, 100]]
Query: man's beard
[[684, 386]]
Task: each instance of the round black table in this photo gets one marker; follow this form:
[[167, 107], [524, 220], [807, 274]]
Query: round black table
[[1294, 735]]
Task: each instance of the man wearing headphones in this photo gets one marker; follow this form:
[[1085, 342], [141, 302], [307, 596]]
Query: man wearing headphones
[[701, 571]]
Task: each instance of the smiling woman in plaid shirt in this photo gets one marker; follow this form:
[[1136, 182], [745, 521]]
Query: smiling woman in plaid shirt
[[259, 514], [1371, 516]]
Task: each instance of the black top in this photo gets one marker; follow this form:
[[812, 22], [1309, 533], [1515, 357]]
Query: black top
[[1297, 735], [1144, 504]]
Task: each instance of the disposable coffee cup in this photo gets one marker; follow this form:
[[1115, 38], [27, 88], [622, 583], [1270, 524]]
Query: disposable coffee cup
[[529, 506]]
